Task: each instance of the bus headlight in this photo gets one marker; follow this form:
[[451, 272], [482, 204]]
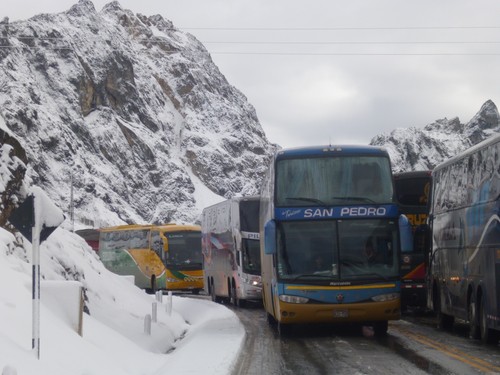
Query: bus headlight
[[293, 299], [386, 297], [253, 281]]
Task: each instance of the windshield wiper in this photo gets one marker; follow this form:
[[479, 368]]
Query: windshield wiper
[[371, 274], [314, 200], [311, 275], [361, 199]]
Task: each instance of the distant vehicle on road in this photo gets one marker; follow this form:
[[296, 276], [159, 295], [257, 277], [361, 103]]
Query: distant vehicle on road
[[413, 190], [91, 236], [164, 257], [231, 250]]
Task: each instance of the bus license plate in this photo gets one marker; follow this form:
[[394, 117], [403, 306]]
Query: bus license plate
[[341, 313]]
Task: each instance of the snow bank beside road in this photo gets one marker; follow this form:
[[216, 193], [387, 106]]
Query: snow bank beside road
[[199, 337]]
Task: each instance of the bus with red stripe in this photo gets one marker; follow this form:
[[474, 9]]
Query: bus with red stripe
[[413, 195]]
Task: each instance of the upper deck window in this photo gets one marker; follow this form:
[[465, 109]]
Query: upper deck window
[[320, 181]]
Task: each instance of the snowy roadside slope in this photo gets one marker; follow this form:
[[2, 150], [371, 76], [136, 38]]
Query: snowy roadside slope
[[199, 336]]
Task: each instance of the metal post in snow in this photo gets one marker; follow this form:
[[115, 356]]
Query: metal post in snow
[[169, 303], [154, 311], [35, 343], [159, 296], [30, 218], [147, 325]]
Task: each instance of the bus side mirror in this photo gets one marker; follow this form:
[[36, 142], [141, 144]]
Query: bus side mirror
[[270, 237], [405, 234]]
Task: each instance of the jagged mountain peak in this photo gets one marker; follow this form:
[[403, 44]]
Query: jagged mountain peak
[[82, 8], [421, 149]]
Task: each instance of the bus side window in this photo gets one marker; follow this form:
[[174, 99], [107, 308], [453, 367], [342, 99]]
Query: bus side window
[[156, 244]]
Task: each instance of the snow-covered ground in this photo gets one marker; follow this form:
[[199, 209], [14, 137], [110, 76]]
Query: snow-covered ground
[[197, 337]]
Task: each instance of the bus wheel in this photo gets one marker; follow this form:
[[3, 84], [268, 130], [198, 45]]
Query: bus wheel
[[271, 320], [212, 291], [445, 321], [195, 291], [380, 328], [474, 332], [233, 294], [284, 329], [488, 336], [153, 284]]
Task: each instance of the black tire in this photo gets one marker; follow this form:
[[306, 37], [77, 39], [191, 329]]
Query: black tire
[[444, 321], [380, 328], [153, 288], [212, 291], [270, 319], [488, 336], [284, 329], [474, 331], [233, 295], [195, 292]]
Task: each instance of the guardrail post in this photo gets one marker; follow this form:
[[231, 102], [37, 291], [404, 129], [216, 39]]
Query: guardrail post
[[159, 296], [169, 304], [147, 325], [154, 311]]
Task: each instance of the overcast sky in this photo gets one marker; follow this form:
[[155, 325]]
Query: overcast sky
[[321, 71]]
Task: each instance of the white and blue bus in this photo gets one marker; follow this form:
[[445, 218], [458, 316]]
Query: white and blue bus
[[330, 238], [464, 265]]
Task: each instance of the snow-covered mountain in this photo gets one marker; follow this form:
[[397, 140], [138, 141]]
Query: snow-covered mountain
[[414, 149], [135, 116], [129, 111]]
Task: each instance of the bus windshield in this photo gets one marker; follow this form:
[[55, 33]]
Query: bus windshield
[[321, 181], [348, 250], [251, 256], [413, 191], [184, 250]]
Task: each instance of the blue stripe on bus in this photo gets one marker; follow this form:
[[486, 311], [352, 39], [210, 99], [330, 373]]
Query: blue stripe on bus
[[337, 212], [327, 294]]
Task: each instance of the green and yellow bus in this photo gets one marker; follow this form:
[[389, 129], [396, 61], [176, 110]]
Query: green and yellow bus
[[166, 257]]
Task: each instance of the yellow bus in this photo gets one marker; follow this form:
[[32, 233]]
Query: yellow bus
[[166, 257]]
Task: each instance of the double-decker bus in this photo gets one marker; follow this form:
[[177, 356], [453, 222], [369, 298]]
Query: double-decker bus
[[413, 191], [231, 250], [330, 242], [157, 256], [464, 221]]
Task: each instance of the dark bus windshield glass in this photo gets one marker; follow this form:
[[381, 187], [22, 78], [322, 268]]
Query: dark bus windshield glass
[[413, 191], [347, 250], [251, 256], [184, 249], [333, 180]]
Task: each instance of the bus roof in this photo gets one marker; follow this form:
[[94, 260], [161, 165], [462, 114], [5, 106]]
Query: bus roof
[[337, 149], [487, 142], [90, 234], [412, 174], [177, 227], [126, 227]]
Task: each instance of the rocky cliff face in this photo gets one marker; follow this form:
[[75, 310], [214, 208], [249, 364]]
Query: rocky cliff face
[[134, 115], [129, 111], [421, 149]]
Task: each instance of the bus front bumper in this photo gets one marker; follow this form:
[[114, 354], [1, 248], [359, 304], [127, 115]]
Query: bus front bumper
[[291, 313]]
